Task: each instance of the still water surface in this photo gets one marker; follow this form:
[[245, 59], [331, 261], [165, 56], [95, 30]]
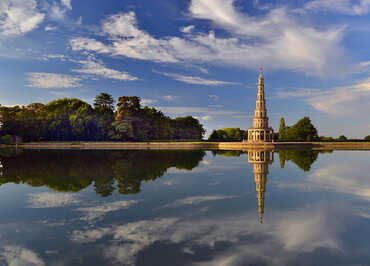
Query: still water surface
[[70, 207]]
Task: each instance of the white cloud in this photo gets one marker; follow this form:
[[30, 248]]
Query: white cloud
[[51, 200], [196, 200], [52, 80], [98, 211], [50, 28], [88, 44], [337, 101], [207, 117], [178, 110], [362, 7], [276, 40], [148, 101], [18, 17], [67, 3], [187, 29], [170, 98], [95, 68], [196, 80], [214, 97], [47, 57], [19, 256]]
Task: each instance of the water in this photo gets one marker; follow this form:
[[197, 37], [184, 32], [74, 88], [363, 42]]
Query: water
[[70, 207]]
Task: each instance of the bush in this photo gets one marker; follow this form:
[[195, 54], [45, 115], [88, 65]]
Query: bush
[[7, 139]]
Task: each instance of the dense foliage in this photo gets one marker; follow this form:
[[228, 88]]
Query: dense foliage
[[367, 138], [228, 134], [303, 130], [73, 170], [73, 119]]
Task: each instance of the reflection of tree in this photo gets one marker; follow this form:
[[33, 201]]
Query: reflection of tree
[[302, 158], [228, 153], [73, 170]]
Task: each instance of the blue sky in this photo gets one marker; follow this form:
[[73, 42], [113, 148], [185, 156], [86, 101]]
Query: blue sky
[[195, 57]]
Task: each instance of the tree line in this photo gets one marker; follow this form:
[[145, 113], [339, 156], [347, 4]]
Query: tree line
[[301, 131], [72, 119]]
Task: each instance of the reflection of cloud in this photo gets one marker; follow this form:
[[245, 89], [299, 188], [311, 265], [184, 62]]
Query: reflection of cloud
[[344, 178], [19, 256], [196, 200], [96, 212], [306, 231], [284, 237], [51, 200], [137, 236]]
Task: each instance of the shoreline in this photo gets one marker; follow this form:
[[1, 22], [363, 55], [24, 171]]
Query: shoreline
[[194, 145]]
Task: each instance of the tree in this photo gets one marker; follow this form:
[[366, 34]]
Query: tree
[[104, 101], [342, 138], [303, 130], [282, 129], [367, 138], [227, 134]]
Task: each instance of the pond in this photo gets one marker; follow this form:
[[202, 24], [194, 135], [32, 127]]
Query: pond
[[184, 207]]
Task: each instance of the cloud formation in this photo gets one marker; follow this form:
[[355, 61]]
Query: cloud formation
[[361, 7], [337, 101], [196, 80], [276, 40], [52, 80], [18, 17], [98, 69]]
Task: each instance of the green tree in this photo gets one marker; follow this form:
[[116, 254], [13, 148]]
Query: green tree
[[303, 130], [342, 138], [367, 138], [104, 101], [282, 129], [227, 134]]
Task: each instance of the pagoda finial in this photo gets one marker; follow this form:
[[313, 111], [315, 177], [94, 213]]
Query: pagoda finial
[[261, 71]]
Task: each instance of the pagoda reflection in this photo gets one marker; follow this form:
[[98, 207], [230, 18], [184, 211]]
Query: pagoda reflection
[[260, 159]]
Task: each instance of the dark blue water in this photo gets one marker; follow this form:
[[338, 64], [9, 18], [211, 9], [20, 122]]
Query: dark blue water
[[184, 207]]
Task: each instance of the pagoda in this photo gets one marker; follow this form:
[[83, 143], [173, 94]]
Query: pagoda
[[260, 131]]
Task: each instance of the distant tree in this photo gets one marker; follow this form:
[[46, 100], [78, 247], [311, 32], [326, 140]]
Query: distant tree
[[328, 139], [303, 130], [227, 134], [367, 138], [105, 101], [342, 138], [35, 106]]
